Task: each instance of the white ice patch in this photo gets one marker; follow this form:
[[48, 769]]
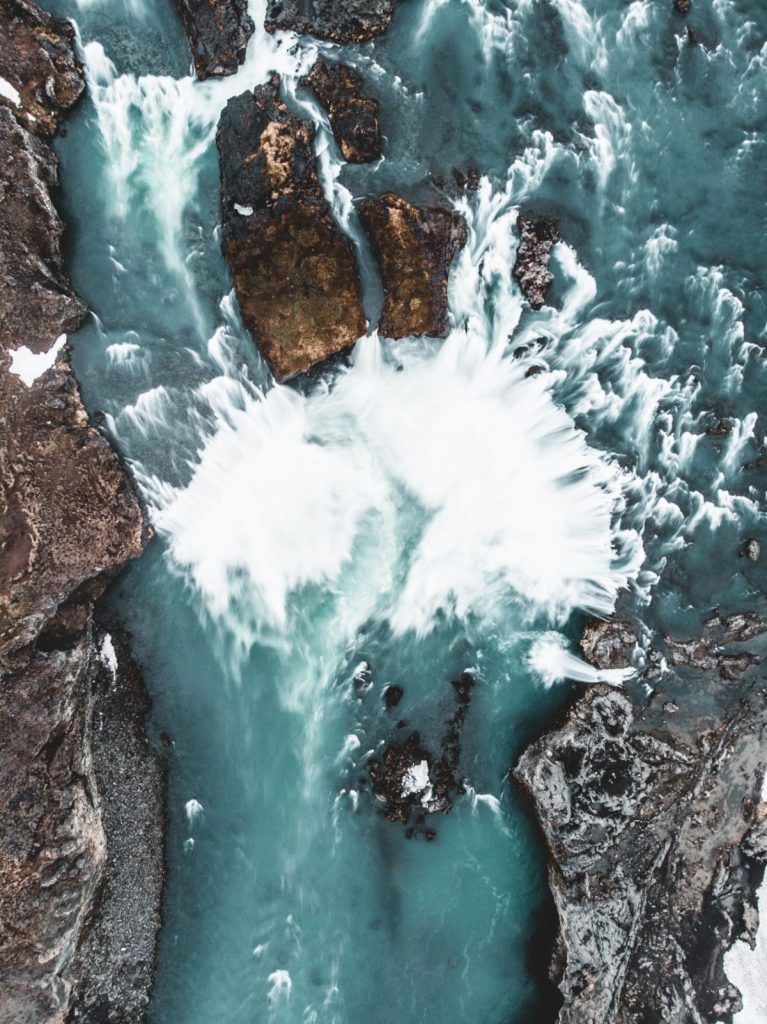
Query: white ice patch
[[551, 659], [10, 93], [416, 779], [244, 211], [193, 809], [30, 365], [108, 655]]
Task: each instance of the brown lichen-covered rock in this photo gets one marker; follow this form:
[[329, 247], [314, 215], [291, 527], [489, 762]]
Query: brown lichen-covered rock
[[218, 32], [294, 271], [69, 519], [353, 117], [340, 21], [531, 267], [414, 247], [658, 838], [37, 60]]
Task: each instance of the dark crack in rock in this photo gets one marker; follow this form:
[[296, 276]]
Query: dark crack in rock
[[353, 116], [414, 247], [218, 32], [537, 237], [294, 271], [339, 21]]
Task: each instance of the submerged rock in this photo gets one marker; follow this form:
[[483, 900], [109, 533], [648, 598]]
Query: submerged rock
[[70, 521], [537, 237], [656, 833], [414, 246], [294, 271], [751, 550], [353, 117], [339, 21], [218, 32]]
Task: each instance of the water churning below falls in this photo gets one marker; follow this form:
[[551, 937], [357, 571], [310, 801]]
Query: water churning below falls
[[433, 508]]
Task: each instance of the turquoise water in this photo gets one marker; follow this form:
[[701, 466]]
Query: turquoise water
[[431, 510]]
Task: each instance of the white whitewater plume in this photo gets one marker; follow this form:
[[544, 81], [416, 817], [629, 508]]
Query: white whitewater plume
[[552, 660], [108, 655], [193, 810], [280, 987]]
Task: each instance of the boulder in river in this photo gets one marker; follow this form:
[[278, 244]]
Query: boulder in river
[[294, 270], [218, 32], [537, 237], [353, 117], [415, 247], [339, 21]]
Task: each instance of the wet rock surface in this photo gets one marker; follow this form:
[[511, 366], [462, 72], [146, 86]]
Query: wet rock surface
[[410, 781], [414, 247], [657, 834], [537, 237], [70, 520], [339, 21], [294, 271], [353, 116], [218, 32]]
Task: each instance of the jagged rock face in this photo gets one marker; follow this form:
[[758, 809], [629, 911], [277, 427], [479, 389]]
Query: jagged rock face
[[353, 117], [657, 841], [69, 519], [294, 271], [414, 247], [340, 21], [36, 58], [218, 32], [531, 267]]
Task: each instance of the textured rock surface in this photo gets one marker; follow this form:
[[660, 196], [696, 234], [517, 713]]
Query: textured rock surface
[[294, 271], [414, 247], [353, 117], [531, 267], [69, 519], [340, 21], [37, 60], [657, 837], [218, 32]]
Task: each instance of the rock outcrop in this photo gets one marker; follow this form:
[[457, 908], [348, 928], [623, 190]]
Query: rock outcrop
[[537, 237], [38, 63], [353, 117], [69, 521], [339, 21], [218, 32], [415, 247], [658, 837], [294, 270]]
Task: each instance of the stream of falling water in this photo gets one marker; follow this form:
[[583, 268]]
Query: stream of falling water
[[430, 509]]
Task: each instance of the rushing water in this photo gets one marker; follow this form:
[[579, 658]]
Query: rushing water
[[431, 509]]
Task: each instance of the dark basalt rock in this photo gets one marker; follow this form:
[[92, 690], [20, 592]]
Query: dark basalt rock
[[218, 32], [70, 520], [294, 270], [393, 694], [37, 59], [353, 117], [608, 643], [415, 247], [751, 550], [657, 839], [339, 21], [682, 6], [531, 267], [410, 781]]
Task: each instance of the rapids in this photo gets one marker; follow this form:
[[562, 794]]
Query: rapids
[[430, 508]]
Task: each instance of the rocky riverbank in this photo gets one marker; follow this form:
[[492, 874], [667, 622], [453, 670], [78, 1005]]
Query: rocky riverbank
[[656, 827], [81, 794]]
